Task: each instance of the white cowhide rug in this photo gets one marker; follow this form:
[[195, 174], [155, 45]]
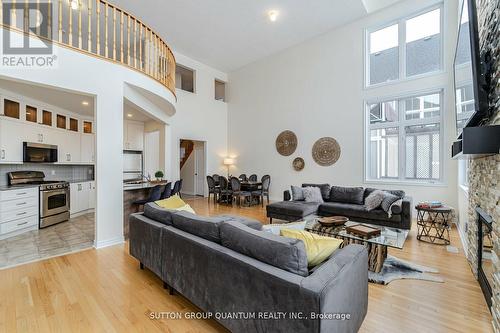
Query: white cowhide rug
[[396, 269]]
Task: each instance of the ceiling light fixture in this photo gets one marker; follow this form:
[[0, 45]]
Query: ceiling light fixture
[[273, 15], [129, 115], [85, 103], [74, 4]]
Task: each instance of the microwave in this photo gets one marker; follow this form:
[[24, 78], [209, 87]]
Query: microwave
[[39, 153]]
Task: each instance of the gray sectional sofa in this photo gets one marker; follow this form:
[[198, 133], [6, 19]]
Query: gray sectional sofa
[[344, 201], [227, 265]]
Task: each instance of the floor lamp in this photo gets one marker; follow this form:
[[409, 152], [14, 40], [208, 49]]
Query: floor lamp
[[228, 162]]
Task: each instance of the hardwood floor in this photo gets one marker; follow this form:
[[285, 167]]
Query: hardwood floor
[[105, 291]]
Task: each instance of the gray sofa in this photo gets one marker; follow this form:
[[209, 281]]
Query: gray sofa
[[343, 201], [227, 265]]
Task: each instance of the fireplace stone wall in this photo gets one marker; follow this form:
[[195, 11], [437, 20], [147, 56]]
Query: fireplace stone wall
[[484, 173]]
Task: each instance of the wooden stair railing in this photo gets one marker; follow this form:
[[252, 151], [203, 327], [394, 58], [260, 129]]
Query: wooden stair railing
[[188, 146], [100, 29]]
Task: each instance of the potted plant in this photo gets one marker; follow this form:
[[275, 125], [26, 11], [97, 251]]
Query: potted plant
[[159, 175]]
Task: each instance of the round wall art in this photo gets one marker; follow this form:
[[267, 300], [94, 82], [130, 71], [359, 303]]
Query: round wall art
[[326, 151], [298, 164], [286, 143]]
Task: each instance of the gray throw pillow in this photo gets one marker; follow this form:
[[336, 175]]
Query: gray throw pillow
[[313, 194], [352, 195], [374, 199], [297, 193], [388, 200], [397, 207]]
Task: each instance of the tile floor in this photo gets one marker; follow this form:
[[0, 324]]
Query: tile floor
[[71, 236]]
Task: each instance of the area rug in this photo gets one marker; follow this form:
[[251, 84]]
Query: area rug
[[397, 269]]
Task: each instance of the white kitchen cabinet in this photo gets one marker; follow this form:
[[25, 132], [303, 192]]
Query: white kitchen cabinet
[[133, 135], [12, 135], [87, 148], [82, 197], [68, 147], [18, 211]]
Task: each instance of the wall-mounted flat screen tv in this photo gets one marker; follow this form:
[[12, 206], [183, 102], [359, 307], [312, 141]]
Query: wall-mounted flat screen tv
[[471, 98]]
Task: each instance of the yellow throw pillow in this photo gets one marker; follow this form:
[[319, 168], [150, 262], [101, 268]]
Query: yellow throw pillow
[[173, 202], [186, 208], [318, 248]]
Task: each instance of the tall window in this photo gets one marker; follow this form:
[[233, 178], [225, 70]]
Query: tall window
[[410, 47], [404, 139]]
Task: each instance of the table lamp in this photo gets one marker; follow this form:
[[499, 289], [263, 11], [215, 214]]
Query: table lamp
[[228, 162]]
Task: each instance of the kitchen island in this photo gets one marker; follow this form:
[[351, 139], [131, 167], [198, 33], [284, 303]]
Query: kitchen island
[[132, 193]]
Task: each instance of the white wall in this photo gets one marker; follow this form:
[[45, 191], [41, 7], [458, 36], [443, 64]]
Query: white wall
[[199, 117], [316, 89], [105, 81]]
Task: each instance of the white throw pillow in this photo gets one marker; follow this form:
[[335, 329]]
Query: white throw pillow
[[313, 194], [374, 199]]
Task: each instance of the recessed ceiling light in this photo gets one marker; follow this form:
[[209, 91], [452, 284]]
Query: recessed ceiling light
[[85, 103], [273, 15], [129, 115]]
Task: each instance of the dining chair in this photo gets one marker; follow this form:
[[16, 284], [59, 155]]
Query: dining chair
[[154, 195], [243, 177], [177, 188], [264, 191], [212, 189], [216, 178], [237, 192], [167, 192], [253, 178], [225, 192]]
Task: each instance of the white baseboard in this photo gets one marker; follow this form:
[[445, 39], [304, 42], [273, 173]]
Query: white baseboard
[[88, 211], [463, 239], [109, 242]]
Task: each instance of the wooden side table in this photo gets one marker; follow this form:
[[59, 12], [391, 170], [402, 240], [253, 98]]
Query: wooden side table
[[433, 224]]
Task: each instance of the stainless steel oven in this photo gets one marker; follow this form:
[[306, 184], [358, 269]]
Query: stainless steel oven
[[39, 153], [54, 203]]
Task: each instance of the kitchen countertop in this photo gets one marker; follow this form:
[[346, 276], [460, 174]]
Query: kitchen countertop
[[80, 181], [16, 187], [146, 185]]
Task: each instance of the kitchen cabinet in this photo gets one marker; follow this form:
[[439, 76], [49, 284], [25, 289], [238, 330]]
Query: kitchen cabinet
[[68, 148], [87, 148], [133, 135], [18, 211], [12, 134], [82, 197]]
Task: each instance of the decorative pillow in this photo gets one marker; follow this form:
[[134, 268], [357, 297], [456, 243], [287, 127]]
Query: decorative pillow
[[171, 203], [374, 199], [318, 248], [397, 207], [388, 200], [352, 195], [297, 193], [313, 194], [325, 189], [186, 208]]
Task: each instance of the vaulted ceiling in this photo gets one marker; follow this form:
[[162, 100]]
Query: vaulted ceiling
[[228, 34]]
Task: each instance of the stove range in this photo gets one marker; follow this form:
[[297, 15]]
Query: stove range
[[54, 195]]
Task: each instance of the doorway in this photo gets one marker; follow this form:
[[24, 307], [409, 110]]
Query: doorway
[[192, 158]]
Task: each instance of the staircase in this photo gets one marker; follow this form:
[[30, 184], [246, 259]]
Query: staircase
[[187, 147]]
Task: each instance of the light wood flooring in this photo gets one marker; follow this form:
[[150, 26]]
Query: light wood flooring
[[105, 291]]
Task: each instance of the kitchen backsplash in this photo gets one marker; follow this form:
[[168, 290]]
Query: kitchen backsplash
[[51, 171]]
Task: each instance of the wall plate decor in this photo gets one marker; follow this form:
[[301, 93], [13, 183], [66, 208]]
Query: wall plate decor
[[298, 164], [326, 151], [286, 143]]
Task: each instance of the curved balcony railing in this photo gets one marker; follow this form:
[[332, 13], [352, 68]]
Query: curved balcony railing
[[94, 27]]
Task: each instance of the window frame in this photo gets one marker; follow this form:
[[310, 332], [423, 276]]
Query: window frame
[[401, 124], [401, 22]]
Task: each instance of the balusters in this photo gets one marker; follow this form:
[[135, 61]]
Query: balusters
[[135, 43], [98, 27], [114, 33], [79, 26], [49, 19], [121, 38], [140, 47], [128, 40], [70, 33], [106, 51], [26, 19], [89, 28], [38, 22], [59, 17]]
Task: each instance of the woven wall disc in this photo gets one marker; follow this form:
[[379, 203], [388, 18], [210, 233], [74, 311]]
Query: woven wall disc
[[286, 143], [326, 151], [298, 164]]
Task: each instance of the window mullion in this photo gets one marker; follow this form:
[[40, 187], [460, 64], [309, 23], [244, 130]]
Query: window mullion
[[401, 150], [402, 49]]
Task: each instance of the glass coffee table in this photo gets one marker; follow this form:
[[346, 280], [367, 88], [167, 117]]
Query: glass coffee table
[[376, 246]]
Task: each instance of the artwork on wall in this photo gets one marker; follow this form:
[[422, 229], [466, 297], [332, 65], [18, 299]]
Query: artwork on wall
[[326, 151], [286, 143], [298, 164]]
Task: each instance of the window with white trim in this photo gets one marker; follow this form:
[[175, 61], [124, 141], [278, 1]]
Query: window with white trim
[[404, 139], [410, 47]]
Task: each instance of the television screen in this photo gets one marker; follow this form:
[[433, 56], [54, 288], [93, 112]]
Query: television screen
[[470, 96]]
